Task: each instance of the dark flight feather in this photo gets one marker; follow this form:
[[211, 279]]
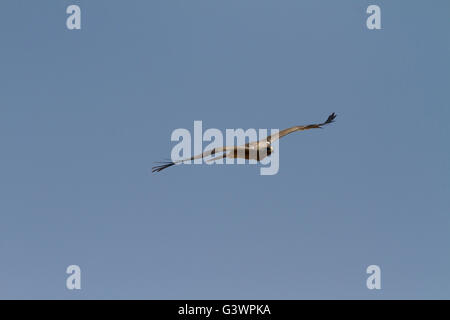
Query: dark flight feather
[[162, 166]]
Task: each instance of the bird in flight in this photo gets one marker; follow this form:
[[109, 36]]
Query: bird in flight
[[256, 150]]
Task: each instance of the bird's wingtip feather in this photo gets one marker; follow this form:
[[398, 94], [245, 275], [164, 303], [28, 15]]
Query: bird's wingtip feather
[[163, 166], [331, 118]]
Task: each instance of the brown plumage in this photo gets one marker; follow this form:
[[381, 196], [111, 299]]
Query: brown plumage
[[257, 150]]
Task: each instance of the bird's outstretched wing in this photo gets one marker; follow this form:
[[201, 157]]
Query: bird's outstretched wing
[[271, 138], [167, 164], [285, 132]]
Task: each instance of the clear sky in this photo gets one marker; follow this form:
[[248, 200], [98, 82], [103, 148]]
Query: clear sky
[[85, 113]]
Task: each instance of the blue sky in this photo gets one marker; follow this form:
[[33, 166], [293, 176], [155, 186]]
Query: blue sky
[[84, 114]]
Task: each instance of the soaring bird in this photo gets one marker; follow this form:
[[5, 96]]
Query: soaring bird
[[256, 150]]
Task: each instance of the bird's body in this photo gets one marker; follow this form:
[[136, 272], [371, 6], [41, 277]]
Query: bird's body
[[256, 150]]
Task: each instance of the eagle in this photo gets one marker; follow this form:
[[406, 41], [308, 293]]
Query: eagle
[[256, 150]]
